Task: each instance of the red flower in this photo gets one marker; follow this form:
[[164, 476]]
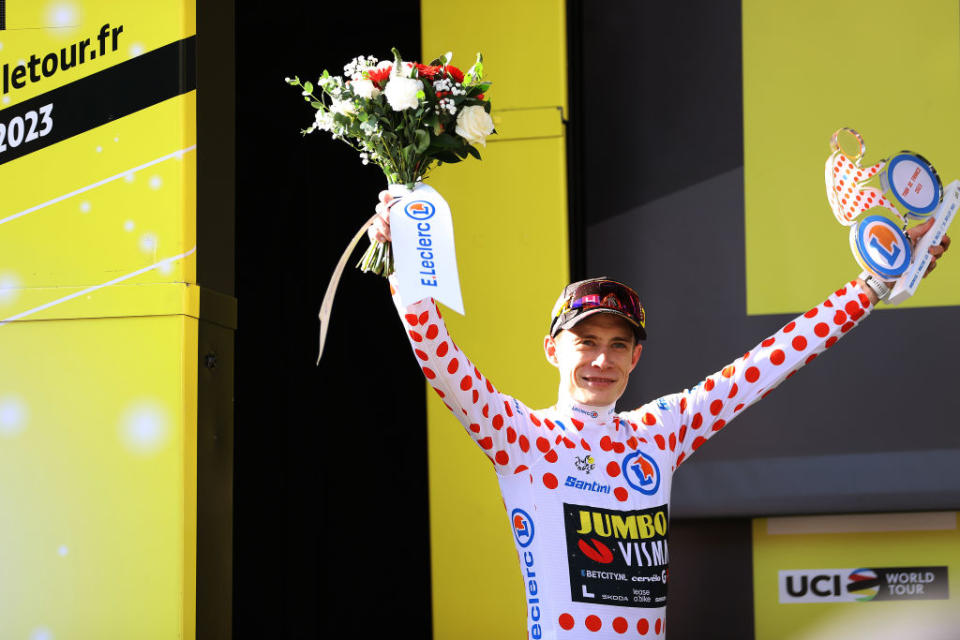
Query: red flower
[[426, 71], [455, 73], [442, 94], [377, 76], [479, 96]]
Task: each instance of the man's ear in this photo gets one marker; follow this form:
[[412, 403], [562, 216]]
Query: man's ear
[[550, 350], [636, 355]]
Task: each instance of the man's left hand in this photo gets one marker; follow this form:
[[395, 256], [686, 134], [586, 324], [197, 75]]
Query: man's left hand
[[936, 251]]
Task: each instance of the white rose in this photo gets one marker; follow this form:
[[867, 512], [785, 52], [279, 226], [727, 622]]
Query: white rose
[[474, 124], [401, 93], [324, 120], [364, 88], [344, 107]]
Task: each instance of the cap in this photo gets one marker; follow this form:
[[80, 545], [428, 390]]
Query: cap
[[582, 299]]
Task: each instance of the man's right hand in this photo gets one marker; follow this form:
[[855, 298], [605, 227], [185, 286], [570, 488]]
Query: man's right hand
[[379, 231]]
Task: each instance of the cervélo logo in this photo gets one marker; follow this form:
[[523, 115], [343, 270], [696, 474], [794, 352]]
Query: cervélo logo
[[863, 584], [641, 472], [419, 210]]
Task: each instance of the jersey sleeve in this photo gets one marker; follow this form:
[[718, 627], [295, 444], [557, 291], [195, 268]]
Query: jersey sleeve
[[495, 421], [682, 422]]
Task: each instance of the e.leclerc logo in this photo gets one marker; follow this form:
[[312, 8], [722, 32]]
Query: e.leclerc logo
[[419, 210], [522, 527], [882, 247], [641, 472]]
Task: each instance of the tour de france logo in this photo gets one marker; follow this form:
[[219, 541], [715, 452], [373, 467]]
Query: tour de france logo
[[882, 247], [641, 472], [522, 527], [419, 210]]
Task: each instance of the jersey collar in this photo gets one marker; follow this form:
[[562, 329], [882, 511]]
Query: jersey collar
[[585, 413]]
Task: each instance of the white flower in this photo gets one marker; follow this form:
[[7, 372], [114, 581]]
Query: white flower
[[364, 88], [401, 93], [324, 120], [474, 124], [344, 107]]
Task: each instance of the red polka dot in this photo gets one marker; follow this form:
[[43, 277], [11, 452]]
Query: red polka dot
[[577, 424], [810, 358], [453, 366], [566, 621], [466, 383], [619, 447], [708, 384], [613, 469], [832, 341], [799, 343], [506, 407], [549, 423], [683, 433], [476, 396], [432, 332], [424, 317], [697, 421], [839, 317], [864, 300], [661, 443], [734, 390], [643, 627], [502, 457], [811, 313], [841, 292], [768, 342], [520, 469], [620, 624], [439, 393], [475, 427], [593, 623], [827, 303], [486, 443], [719, 424], [605, 443], [524, 444], [729, 371], [621, 494], [777, 357], [428, 372], [648, 420], [416, 337], [534, 419], [847, 327], [442, 349], [852, 307], [411, 319], [485, 411], [511, 435], [551, 456], [683, 404], [497, 421], [715, 407], [822, 329], [489, 386], [421, 354], [585, 444], [681, 458], [543, 444], [790, 327], [752, 374], [673, 441], [658, 626], [632, 442], [699, 441], [569, 444], [550, 481], [737, 408]]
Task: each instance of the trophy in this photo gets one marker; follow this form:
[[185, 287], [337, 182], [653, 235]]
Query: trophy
[[878, 201]]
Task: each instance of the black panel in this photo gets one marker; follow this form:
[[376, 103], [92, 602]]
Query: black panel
[[331, 492], [661, 98]]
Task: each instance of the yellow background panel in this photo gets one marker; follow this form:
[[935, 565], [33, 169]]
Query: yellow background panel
[[869, 549], [510, 221], [97, 485], [889, 69]]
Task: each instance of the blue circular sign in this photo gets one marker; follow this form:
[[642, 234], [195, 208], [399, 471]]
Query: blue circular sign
[[419, 210], [522, 525], [641, 472], [881, 247], [914, 183]]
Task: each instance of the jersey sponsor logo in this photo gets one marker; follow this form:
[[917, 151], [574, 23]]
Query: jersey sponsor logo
[[522, 527], [585, 464], [882, 247], [419, 210], [863, 585], [585, 485], [641, 472], [662, 404], [591, 414], [617, 557]]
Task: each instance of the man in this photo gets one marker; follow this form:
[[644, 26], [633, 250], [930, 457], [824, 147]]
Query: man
[[587, 489]]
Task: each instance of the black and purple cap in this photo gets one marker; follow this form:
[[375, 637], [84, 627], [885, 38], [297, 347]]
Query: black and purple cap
[[582, 299]]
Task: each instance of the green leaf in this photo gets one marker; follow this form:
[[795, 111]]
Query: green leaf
[[421, 140], [472, 150], [362, 116], [446, 141], [316, 105], [421, 95], [325, 74], [308, 86]]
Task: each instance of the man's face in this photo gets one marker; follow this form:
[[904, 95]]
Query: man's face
[[595, 358]]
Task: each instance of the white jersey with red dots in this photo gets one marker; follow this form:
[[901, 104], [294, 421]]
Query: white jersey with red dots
[[587, 490]]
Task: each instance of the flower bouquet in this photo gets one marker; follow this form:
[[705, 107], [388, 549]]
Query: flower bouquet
[[405, 117]]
